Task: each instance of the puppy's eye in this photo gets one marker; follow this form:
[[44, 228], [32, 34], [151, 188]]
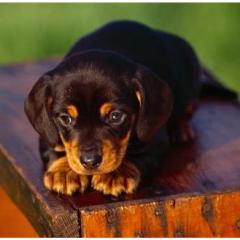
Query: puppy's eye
[[117, 117], [65, 119]]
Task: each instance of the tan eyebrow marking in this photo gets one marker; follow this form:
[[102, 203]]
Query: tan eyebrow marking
[[138, 94], [72, 111], [105, 109]]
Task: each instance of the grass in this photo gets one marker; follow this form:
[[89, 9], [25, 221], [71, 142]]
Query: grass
[[37, 31]]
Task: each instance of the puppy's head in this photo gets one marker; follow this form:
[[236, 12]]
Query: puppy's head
[[92, 103]]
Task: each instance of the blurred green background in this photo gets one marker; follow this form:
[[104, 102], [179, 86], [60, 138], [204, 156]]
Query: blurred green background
[[37, 31]]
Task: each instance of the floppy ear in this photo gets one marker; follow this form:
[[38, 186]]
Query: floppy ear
[[36, 107], [155, 100]]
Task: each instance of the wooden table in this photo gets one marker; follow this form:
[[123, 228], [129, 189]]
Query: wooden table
[[195, 192]]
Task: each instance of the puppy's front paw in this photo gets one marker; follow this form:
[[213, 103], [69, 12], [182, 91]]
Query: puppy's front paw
[[123, 180], [60, 178]]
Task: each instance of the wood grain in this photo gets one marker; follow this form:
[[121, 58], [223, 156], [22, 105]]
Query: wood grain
[[21, 167], [215, 215], [179, 199]]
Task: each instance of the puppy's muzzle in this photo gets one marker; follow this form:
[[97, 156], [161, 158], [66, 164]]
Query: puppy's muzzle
[[90, 158]]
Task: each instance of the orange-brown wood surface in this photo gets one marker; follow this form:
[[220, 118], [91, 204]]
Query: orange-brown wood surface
[[216, 215], [12, 222], [193, 192]]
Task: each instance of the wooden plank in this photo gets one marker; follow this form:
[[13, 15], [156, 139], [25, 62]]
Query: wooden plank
[[12, 222], [21, 167], [210, 163], [211, 215]]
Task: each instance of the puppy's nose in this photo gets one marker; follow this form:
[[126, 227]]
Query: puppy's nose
[[90, 161]]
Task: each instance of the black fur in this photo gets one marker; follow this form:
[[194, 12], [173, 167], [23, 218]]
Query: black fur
[[110, 65]]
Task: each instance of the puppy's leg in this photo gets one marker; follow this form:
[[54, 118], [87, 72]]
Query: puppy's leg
[[60, 178], [123, 180], [181, 131]]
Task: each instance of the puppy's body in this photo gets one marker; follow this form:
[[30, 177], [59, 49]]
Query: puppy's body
[[167, 55], [113, 92]]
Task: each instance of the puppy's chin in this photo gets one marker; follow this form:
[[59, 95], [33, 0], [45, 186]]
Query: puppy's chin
[[112, 156]]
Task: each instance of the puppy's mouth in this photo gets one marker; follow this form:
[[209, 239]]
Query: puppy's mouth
[[90, 163]]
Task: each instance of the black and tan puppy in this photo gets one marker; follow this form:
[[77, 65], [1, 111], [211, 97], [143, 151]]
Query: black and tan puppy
[[114, 90]]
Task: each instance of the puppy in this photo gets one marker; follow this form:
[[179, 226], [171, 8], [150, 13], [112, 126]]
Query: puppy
[[111, 95]]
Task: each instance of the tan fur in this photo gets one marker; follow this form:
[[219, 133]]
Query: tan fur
[[63, 174], [125, 179], [72, 152], [111, 157], [138, 94], [59, 148], [72, 111], [105, 109], [60, 178]]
